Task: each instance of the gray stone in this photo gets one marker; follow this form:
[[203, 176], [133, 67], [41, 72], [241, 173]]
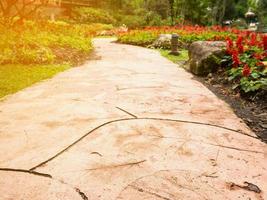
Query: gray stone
[[163, 41], [204, 56]]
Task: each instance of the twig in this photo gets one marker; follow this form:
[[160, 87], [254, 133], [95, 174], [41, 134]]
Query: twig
[[26, 171], [134, 116]]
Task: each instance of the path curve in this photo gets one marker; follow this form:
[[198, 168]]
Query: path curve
[[129, 125]]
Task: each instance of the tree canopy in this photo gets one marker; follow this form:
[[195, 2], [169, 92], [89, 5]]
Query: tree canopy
[[159, 12]]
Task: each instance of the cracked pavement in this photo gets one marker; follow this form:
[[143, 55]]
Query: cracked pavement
[[129, 125]]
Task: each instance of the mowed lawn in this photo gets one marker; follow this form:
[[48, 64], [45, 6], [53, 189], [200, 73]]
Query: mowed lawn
[[16, 77], [182, 57]]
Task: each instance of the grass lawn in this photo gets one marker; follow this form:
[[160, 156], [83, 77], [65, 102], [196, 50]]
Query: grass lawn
[[182, 57], [16, 77]]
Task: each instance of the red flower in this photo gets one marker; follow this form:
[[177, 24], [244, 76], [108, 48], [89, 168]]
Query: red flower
[[260, 64], [258, 56], [239, 44], [239, 40], [246, 71], [253, 39], [230, 46], [247, 33], [235, 57], [264, 41]]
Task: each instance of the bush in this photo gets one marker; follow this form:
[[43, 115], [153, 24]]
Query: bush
[[36, 42], [140, 38], [92, 15], [247, 62], [131, 21], [153, 19]]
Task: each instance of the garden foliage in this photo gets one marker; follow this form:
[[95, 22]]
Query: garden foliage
[[87, 15], [187, 34], [44, 42], [247, 61]]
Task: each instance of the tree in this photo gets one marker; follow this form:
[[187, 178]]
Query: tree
[[171, 2], [260, 7], [15, 11], [218, 11]]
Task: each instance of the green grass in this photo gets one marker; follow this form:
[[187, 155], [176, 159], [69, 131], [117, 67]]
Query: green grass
[[182, 57], [16, 77]]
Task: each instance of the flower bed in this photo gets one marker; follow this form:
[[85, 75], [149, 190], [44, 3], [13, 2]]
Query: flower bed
[[247, 61], [188, 34], [246, 57]]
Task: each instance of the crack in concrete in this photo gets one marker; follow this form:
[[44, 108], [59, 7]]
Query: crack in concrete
[[82, 194], [186, 187], [153, 174], [148, 192], [118, 165], [132, 119], [141, 87]]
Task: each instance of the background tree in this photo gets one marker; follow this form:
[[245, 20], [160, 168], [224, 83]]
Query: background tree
[[15, 11], [260, 8]]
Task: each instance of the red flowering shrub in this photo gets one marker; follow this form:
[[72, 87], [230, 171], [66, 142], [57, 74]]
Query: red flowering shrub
[[246, 71], [246, 50], [188, 34], [264, 41], [235, 58], [247, 61]]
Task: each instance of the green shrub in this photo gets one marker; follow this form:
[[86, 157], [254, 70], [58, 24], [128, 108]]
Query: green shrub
[[92, 15], [36, 42], [153, 19], [131, 21], [140, 38]]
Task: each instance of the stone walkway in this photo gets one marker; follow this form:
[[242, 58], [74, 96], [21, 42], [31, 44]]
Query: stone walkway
[[127, 126]]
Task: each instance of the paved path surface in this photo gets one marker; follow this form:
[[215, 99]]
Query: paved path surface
[[128, 126]]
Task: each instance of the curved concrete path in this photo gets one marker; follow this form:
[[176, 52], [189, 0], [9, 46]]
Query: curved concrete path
[[128, 126]]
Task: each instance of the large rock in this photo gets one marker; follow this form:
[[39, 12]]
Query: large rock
[[204, 56], [163, 41]]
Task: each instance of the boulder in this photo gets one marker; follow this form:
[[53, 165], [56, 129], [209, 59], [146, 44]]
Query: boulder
[[163, 41], [205, 56]]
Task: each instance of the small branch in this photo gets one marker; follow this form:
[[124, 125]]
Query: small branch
[[26, 171], [134, 116]]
